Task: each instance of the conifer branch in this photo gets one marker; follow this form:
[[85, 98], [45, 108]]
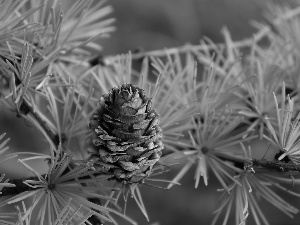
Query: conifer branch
[[271, 166]]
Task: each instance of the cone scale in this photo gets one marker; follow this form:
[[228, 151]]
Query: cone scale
[[126, 137]]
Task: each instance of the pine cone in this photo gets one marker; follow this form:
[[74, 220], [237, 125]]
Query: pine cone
[[127, 138]]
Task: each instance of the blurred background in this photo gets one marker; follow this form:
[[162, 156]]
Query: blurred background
[[150, 25], [158, 24]]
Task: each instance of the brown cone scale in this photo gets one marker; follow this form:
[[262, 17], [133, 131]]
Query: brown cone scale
[[127, 138]]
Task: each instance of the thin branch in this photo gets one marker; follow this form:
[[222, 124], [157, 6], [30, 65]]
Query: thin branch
[[248, 42], [277, 165], [110, 60], [26, 109], [20, 187]]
